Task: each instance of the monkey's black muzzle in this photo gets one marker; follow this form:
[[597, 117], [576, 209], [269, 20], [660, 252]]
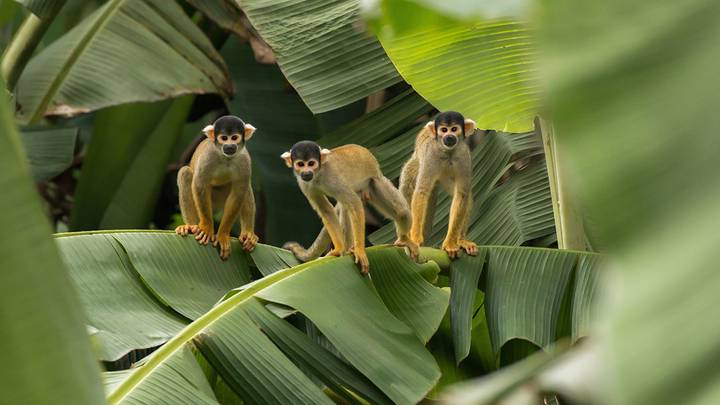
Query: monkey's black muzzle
[[229, 149], [450, 140], [306, 176]]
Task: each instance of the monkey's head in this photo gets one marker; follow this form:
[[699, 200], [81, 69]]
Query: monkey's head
[[450, 128], [229, 134], [305, 158]]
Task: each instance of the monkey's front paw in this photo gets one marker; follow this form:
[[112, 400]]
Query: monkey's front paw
[[248, 240], [412, 247], [361, 260], [223, 241], [335, 252], [469, 246], [417, 239], [205, 234], [451, 248], [184, 230]]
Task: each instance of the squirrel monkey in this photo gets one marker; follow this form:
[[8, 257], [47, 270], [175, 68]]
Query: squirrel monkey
[[219, 177], [350, 174], [441, 157]]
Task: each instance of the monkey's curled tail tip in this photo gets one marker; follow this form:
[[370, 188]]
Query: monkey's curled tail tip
[[291, 246], [299, 251]]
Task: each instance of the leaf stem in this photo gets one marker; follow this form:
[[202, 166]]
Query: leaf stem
[[568, 222], [23, 44]]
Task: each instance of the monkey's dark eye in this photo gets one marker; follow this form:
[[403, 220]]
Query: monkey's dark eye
[[311, 163], [443, 129], [454, 129], [223, 138], [301, 164], [234, 138]]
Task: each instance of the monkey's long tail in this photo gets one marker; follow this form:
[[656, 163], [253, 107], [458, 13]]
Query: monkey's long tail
[[319, 246]]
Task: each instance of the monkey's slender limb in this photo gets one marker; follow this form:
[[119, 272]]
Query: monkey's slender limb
[[458, 212], [420, 200], [357, 221], [430, 215], [230, 214], [469, 246], [187, 206], [388, 200], [248, 238], [408, 178], [202, 195], [332, 224]]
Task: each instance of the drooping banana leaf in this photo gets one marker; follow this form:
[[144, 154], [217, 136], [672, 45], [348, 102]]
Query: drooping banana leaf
[[524, 292], [49, 151], [40, 314], [120, 54], [321, 50], [486, 70], [136, 287]]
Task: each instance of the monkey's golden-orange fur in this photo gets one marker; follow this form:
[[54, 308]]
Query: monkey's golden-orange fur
[[434, 164]]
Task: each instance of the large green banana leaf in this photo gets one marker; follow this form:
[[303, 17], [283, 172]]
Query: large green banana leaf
[[525, 289], [157, 287], [152, 284], [121, 54], [320, 49], [48, 358], [486, 70]]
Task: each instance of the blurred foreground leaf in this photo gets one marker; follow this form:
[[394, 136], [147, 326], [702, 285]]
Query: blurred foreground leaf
[[635, 108], [50, 359]]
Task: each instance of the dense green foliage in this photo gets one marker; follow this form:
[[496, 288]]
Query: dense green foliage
[[109, 100]]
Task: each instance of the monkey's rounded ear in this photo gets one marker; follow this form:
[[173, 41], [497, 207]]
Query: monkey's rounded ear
[[431, 127], [209, 131], [249, 131], [324, 153], [469, 126], [286, 157]]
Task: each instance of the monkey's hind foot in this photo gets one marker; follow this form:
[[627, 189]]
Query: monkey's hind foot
[[469, 246], [410, 245], [248, 240], [205, 235], [361, 260], [451, 248], [184, 230], [335, 252], [223, 241]]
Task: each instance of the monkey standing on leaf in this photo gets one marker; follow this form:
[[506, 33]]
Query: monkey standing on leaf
[[219, 177], [349, 174], [441, 157]]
